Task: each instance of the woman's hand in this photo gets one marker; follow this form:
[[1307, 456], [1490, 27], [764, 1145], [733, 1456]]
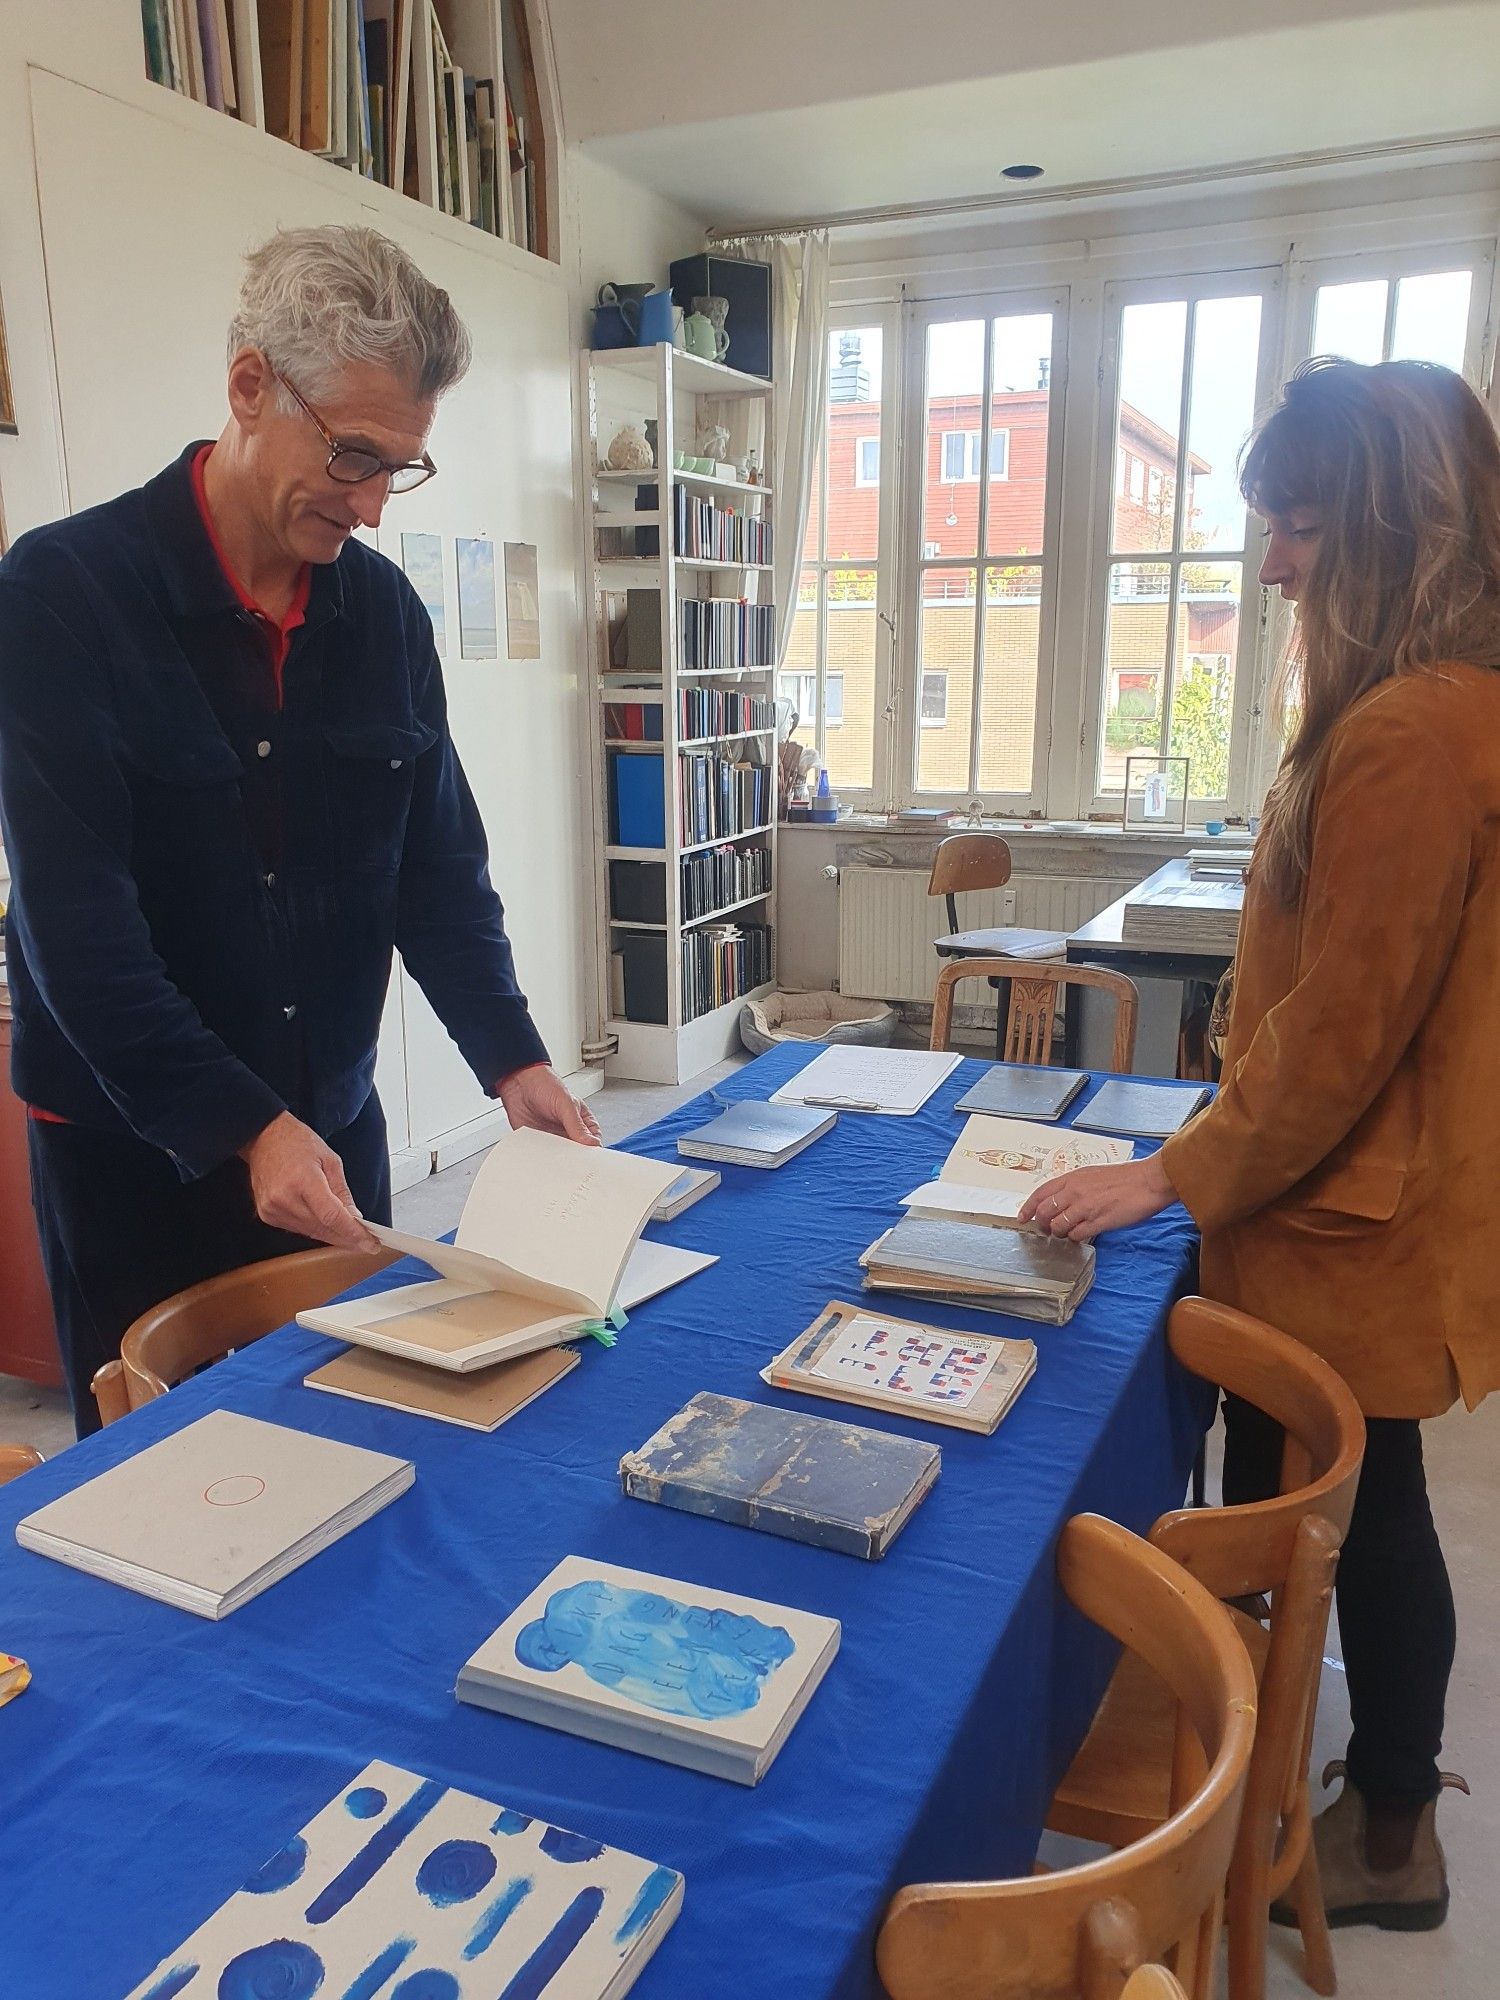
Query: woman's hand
[[1084, 1204]]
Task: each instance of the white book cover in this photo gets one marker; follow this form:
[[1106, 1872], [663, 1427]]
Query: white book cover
[[211, 1515], [404, 1885], [995, 1163], [695, 1676], [895, 1082]]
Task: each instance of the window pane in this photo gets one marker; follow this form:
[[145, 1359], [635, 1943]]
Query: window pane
[[1432, 318], [798, 679], [1019, 399], [1152, 340], [854, 405], [955, 391], [1221, 412], [1007, 701], [850, 698], [1208, 626], [1135, 666], [934, 699], [945, 645], [1349, 320]]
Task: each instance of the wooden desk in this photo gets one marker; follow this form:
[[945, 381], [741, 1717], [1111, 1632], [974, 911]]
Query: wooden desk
[[1101, 941]]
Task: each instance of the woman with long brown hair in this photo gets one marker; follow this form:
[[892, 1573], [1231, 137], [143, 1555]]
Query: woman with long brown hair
[[1345, 1178]]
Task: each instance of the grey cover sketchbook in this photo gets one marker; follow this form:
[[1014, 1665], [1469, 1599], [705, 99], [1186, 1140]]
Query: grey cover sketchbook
[[1142, 1110], [756, 1134], [811, 1479], [1019, 1090], [972, 1264]]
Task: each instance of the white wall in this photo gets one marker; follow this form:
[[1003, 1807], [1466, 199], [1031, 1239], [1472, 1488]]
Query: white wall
[[621, 232], [146, 202]]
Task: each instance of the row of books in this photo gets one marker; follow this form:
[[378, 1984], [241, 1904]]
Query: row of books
[[703, 529], [349, 81], [720, 877], [722, 962], [701, 711], [719, 797], [723, 633]]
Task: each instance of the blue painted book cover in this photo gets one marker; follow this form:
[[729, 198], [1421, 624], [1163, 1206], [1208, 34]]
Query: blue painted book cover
[[836, 1486]]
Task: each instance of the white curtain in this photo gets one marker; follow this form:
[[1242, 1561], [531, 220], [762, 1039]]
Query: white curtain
[[799, 310]]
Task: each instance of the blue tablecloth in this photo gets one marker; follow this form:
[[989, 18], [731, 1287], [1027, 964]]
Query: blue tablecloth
[[158, 1757]]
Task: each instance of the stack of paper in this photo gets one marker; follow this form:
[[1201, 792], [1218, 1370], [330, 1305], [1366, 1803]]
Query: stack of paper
[[1192, 914], [403, 1886], [208, 1518], [754, 1134], [858, 1356], [970, 1264], [995, 1163], [695, 1676], [896, 1082], [1223, 863]]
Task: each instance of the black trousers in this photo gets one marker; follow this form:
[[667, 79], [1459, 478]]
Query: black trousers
[[121, 1231], [1395, 1602]]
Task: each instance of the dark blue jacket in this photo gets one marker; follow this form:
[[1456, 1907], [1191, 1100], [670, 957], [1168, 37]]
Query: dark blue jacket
[[205, 887]]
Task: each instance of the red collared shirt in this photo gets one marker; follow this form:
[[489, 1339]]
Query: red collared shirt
[[277, 633]]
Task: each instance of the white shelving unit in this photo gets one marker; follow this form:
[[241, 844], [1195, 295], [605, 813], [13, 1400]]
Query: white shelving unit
[[661, 385]]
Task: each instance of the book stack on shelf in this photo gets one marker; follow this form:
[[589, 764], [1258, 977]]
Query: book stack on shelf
[[435, 98], [685, 635]]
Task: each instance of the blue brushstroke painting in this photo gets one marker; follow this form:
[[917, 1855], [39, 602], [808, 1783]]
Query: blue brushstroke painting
[[281, 1870], [556, 1947], [283, 1968], [369, 1982], [376, 1851], [681, 1659], [456, 1872], [498, 1915], [652, 1893]]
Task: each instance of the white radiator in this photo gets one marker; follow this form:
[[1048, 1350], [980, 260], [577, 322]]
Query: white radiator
[[887, 922]]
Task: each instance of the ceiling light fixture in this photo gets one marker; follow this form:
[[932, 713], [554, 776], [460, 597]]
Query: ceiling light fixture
[[1022, 171]]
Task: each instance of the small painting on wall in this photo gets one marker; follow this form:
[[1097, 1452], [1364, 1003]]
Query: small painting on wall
[[7, 399], [478, 628], [523, 614], [422, 559]]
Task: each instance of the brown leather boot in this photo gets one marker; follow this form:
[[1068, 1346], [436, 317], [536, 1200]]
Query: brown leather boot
[[1413, 1897]]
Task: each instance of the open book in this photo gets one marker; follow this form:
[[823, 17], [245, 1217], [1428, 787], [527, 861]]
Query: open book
[[996, 1162], [541, 1247]]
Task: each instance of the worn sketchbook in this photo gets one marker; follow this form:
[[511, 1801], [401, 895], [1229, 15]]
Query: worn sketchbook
[[685, 1672], [211, 1516], [836, 1486], [972, 1264], [541, 1248], [1142, 1110], [480, 1401], [856, 1355], [996, 1162], [757, 1134], [404, 1886], [1020, 1090]]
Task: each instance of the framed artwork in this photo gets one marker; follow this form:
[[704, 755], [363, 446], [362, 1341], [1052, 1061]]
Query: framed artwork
[[422, 559], [478, 622], [1156, 794], [523, 611], [7, 397]]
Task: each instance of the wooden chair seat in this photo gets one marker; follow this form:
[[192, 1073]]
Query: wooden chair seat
[[1119, 1785], [16, 1459]]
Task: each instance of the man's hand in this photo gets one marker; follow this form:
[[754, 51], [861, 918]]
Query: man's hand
[[298, 1185], [538, 1097], [1085, 1204]]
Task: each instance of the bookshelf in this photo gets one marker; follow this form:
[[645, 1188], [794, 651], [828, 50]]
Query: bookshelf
[[439, 99], [685, 748]]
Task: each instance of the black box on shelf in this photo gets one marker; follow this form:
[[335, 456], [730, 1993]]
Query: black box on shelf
[[638, 892], [747, 286], [645, 975]]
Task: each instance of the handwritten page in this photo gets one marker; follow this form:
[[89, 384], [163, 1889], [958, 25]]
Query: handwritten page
[[895, 1082], [930, 1368]]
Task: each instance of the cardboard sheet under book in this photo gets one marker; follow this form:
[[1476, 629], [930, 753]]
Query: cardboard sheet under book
[[859, 1355], [811, 1479]]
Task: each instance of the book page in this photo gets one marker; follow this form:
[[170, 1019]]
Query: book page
[[869, 1353], [1010, 1156], [897, 1082]]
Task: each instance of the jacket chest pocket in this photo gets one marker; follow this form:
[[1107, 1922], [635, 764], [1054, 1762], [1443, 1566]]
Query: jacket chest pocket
[[370, 770], [185, 807]]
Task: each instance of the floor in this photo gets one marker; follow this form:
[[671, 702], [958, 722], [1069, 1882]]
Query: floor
[[1463, 1456]]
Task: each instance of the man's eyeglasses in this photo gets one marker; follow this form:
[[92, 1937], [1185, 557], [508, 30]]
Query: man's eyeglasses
[[352, 464]]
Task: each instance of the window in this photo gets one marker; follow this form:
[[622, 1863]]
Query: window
[[1421, 317], [999, 454], [960, 456], [1187, 365], [934, 700], [833, 655]]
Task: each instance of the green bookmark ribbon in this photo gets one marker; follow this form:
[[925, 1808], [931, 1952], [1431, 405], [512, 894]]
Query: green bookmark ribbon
[[606, 1332]]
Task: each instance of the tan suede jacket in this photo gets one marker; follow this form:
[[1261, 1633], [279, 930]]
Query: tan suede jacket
[[1346, 1179]]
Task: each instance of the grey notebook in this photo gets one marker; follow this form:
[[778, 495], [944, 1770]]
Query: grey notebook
[[755, 1134], [1015, 1090], [1141, 1110]]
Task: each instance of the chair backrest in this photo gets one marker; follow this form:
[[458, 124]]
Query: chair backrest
[[968, 861], [111, 1395], [1152, 1982], [208, 1321], [1035, 989], [16, 1459], [1078, 1933]]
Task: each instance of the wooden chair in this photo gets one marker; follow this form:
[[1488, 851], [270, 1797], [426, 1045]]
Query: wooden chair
[[1034, 992], [1119, 1785], [1152, 1982], [16, 1459], [110, 1394], [971, 861], [208, 1321], [1078, 1933]]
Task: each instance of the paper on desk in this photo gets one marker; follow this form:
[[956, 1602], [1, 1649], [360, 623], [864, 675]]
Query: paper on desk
[[895, 1082]]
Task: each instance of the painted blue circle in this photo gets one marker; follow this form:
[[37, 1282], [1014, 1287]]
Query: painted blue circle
[[280, 1970], [455, 1872], [427, 1985], [281, 1869], [365, 1801]]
